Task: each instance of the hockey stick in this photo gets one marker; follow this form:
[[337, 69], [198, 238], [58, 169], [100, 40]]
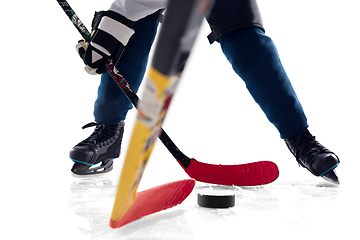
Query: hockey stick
[[176, 39], [257, 173]]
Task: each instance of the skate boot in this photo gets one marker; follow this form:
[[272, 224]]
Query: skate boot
[[95, 154], [310, 154]]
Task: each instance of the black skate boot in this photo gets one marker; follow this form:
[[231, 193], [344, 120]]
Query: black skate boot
[[310, 154], [102, 146]]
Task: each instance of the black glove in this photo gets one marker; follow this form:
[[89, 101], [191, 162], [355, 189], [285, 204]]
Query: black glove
[[110, 34]]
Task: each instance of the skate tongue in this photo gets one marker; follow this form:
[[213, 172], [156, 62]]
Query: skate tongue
[[92, 124]]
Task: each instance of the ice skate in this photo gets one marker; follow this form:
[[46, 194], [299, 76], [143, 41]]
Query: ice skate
[[310, 154], [95, 154]]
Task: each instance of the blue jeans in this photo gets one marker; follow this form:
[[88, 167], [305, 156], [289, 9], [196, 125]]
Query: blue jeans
[[253, 56]]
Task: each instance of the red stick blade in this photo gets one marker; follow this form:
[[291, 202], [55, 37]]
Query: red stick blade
[[156, 199], [250, 174]]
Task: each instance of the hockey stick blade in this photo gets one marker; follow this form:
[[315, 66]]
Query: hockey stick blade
[[249, 174], [156, 199]]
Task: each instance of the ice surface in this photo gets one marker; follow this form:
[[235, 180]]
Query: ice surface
[[289, 209], [46, 97]]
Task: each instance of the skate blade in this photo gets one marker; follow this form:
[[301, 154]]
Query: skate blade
[[86, 171], [90, 175], [331, 177]]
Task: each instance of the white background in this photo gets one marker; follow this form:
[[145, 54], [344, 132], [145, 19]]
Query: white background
[[46, 97]]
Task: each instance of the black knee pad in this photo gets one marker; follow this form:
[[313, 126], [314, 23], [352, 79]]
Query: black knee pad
[[228, 15]]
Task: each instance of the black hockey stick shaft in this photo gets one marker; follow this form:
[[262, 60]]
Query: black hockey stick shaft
[[122, 83], [250, 174], [75, 19]]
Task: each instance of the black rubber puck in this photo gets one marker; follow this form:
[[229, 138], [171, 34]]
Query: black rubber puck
[[212, 200]]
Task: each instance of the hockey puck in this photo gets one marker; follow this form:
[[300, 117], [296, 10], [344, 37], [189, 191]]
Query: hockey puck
[[213, 200]]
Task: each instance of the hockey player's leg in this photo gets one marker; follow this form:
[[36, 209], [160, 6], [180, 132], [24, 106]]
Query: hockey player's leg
[[255, 59], [94, 155]]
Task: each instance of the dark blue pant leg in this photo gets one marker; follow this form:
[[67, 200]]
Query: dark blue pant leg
[[112, 105], [255, 59]]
